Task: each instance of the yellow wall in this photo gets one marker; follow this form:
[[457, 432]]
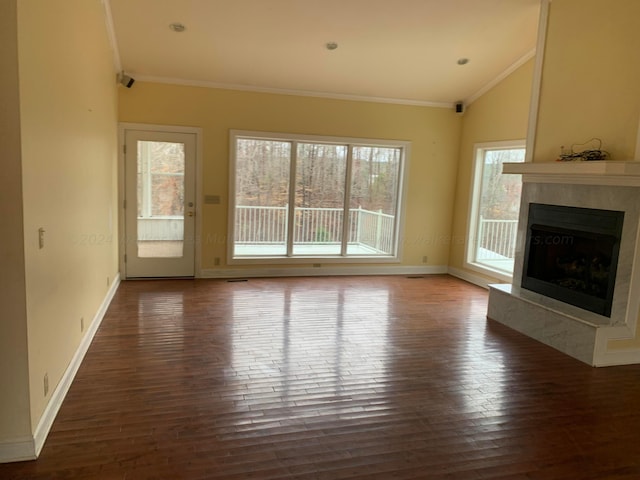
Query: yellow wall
[[14, 374], [591, 77], [434, 133], [500, 114], [69, 158]]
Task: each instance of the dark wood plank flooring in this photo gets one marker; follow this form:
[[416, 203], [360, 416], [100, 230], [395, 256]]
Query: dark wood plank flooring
[[332, 378]]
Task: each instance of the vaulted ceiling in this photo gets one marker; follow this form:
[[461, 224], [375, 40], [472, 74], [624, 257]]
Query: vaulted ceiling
[[400, 50]]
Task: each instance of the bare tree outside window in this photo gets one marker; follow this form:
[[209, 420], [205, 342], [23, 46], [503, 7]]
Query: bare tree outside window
[[295, 192]]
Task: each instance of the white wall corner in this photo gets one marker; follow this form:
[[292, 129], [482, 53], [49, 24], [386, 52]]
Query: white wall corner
[[534, 105]]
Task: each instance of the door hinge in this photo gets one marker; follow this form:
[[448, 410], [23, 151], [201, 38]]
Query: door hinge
[[124, 148], [124, 204], [125, 258]]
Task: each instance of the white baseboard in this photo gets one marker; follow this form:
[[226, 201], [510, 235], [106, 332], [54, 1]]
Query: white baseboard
[[605, 357], [323, 271], [58, 395], [19, 450], [614, 358], [471, 278]]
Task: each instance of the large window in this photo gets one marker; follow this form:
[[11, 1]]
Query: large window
[[314, 197], [495, 206]]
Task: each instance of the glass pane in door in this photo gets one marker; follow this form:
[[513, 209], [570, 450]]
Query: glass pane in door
[[262, 197], [160, 193], [375, 174], [319, 208]]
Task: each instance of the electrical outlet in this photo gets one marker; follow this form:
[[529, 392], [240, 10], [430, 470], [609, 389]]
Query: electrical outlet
[[216, 261], [424, 259], [46, 384], [82, 324]]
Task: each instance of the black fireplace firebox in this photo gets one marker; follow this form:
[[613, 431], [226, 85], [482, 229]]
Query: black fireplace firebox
[[571, 255]]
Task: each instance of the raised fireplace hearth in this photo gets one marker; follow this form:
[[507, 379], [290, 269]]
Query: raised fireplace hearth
[[576, 281]]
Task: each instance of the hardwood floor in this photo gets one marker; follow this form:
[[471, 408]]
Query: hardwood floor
[[332, 378]]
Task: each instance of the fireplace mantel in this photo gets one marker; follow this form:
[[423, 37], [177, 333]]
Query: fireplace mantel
[[623, 173]]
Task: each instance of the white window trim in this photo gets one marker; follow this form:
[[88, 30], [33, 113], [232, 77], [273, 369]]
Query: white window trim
[[332, 259], [474, 201]]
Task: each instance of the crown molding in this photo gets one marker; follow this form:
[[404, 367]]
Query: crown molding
[[111, 34], [284, 91], [509, 70]]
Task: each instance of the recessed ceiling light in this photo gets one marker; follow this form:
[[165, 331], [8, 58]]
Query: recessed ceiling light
[[177, 27], [331, 45], [463, 61]]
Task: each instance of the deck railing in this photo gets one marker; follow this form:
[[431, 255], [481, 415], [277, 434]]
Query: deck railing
[[257, 225], [497, 238]]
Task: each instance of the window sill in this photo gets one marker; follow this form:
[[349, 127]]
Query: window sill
[[298, 260]]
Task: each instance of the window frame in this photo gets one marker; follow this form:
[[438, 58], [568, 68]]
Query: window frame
[[475, 193], [290, 258]]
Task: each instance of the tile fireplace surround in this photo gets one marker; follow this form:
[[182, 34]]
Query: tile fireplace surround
[[587, 336]]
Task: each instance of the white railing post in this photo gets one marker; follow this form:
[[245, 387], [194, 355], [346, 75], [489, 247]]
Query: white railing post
[[359, 217], [286, 222], [480, 241], [378, 229]]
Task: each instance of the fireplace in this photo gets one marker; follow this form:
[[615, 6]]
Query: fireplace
[[576, 276], [571, 254]]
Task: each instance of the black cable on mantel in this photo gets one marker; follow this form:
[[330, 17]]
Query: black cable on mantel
[[585, 155]]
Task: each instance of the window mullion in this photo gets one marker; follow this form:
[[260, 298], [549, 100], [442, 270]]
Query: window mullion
[[291, 213], [346, 218]]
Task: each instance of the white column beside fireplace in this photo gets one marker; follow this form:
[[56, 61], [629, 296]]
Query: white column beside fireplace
[[592, 338]]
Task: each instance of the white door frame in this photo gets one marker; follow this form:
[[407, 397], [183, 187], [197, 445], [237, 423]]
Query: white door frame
[[122, 128]]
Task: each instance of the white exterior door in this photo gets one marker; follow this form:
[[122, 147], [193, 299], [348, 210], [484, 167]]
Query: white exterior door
[[159, 203]]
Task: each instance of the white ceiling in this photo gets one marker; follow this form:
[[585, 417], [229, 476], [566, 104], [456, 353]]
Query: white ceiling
[[405, 50]]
